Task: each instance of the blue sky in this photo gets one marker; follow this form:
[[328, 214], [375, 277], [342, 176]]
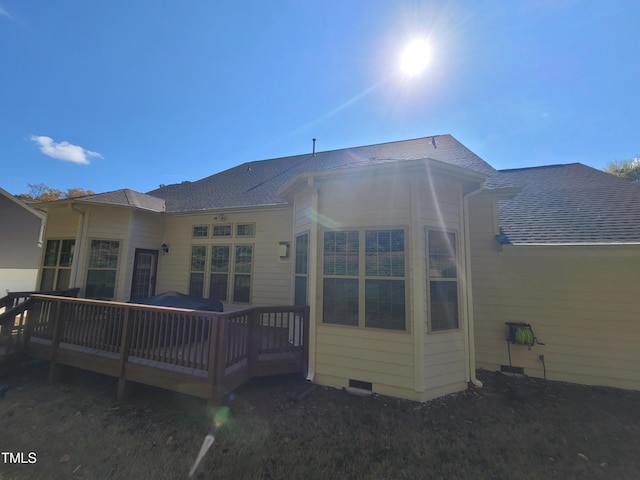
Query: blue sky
[[136, 93]]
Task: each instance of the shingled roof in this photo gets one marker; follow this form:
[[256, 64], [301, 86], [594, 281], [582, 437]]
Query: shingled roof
[[569, 204], [127, 198], [257, 183]]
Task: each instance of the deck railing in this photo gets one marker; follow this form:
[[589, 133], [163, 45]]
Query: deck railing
[[206, 354], [13, 317]]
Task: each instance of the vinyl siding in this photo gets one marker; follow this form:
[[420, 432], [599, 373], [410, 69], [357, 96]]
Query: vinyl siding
[[581, 301], [387, 359], [145, 232], [62, 224], [19, 239], [271, 275], [383, 358], [303, 214], [106, 223], [444, 352], [17, 280]]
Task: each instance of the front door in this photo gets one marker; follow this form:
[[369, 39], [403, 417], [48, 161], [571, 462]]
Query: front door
[[145, 264]]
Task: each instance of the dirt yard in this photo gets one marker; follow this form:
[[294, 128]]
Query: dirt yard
[[514, 428]]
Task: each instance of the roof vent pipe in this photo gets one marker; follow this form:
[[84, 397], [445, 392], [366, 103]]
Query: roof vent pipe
[[314, 146]]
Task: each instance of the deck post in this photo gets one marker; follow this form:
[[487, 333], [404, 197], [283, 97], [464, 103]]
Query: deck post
[[218, 356], [253, 342], [124, 387], [55, 340], [33, 312]]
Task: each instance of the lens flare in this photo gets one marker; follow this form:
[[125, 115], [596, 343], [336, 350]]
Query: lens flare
[[221, 417]]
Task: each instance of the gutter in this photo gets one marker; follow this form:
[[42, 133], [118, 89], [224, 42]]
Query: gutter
[[471, 350]]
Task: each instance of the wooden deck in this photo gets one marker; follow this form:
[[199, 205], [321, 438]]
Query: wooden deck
[[205, 354]]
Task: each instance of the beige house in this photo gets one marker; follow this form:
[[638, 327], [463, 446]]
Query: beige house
[[20, 244], [393, 247]]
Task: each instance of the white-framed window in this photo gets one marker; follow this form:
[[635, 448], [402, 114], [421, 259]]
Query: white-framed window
[[242, 270], [219, 277], [301, 270], [197, 270], [200, 231], [56, 265], [364, 278], [103, 267], [222, 230], [442, 277], [245, 230], [223, 271]]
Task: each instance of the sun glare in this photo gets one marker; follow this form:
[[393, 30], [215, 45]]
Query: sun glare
[[415, 57]]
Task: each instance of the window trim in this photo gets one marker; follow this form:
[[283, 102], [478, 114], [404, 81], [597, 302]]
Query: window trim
[[209, 270], [456, 280], [191, 271], [362, 277], [306, 274], [237, 235], [213, 228], [193, 231], [231, 273], [116, 269], [57, 267]]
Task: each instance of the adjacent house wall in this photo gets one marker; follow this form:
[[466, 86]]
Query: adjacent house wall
[[19, 246], [581, 301]]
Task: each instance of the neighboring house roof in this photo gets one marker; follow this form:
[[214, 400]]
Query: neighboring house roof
[[572, 203], [124, 198], [257, 183], [36, 213]]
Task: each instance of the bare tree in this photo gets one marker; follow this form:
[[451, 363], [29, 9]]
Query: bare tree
[[629, 169], [42, 193]]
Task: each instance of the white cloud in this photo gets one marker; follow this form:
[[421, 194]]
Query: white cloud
[[64, 150], [3, 12]]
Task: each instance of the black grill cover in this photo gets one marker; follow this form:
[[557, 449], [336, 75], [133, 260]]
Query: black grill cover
[[180, 300]]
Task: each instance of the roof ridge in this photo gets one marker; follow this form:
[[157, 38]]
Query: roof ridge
[[536, 167], [319, 152]]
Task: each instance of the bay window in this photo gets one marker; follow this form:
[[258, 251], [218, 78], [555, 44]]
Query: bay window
[[364, 278]]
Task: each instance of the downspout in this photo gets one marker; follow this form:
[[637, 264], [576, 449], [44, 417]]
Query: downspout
[[76, 260], [313, 279], [43, 226], [468, 290]]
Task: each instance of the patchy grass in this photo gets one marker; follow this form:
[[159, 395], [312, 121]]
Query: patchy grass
[[514, 428]]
